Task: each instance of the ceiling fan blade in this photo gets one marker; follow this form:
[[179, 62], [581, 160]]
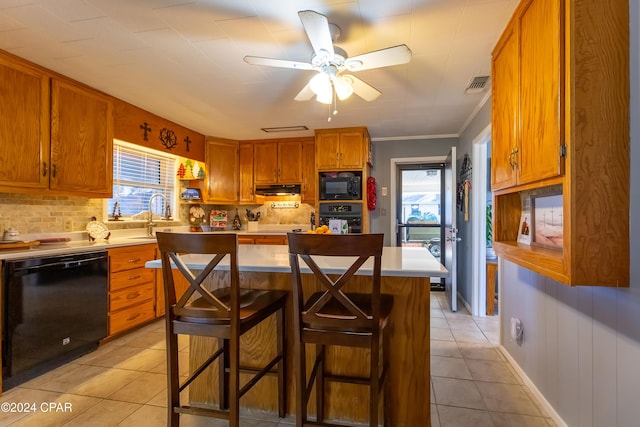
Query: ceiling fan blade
[[395, 55], [282, 63], [363, 90], [317, 28], [305, 94]]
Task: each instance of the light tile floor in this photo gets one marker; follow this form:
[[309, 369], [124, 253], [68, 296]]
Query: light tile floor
[[472, 384], [123, 382]]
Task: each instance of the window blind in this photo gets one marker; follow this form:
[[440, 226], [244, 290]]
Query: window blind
[[137, 175]]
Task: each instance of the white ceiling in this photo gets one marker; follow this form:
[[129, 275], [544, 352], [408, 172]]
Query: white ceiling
[[183, 60]]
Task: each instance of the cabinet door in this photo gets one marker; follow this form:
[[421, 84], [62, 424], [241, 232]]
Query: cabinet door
[[352, 150], [290, 162], [309, 178], [266, 162], [327, 150], [222, 164], [245, 158], [81, 140], [24, 126], [540, 88], [504, 111]]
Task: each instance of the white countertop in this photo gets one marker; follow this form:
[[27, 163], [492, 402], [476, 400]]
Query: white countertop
[[396, 261], [127, 237]]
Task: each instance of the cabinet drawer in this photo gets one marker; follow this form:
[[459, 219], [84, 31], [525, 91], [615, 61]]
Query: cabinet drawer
[[131, 296], [125, 279], [130, 260], [131, 317]]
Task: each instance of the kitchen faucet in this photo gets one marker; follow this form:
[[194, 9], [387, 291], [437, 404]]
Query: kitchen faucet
[[151, 224]]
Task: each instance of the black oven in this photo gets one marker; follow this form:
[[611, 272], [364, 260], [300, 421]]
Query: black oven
[[351, 212], [340, 187]]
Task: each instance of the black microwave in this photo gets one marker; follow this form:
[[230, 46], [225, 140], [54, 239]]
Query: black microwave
[[340, 188]]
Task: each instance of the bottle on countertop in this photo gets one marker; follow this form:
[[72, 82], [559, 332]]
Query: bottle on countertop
[[313, 220]]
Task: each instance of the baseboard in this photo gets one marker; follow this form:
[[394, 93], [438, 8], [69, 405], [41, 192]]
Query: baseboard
[[465, 303], [546, 406]]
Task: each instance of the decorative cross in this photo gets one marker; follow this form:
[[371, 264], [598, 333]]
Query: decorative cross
[[145, 127], [187, 141]]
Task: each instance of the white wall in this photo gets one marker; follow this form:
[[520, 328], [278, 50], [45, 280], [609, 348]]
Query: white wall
[[581, 345]]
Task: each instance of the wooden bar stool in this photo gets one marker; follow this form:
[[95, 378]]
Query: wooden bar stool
[[332, 317], [226, 312]]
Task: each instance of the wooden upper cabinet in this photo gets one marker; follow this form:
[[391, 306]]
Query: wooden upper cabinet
[[541, 86], [245, 158], [309, 177], [572, 136], [81, 140], [55, 135], [278, 162], [24, 125], [265, 168], [527, 110], [290, 162], [345, 148], [222, 168], [504, 112]]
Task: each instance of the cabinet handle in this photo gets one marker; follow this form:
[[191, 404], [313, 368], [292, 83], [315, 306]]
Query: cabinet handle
[[512, 159], [45, 170], [54, 171], [131, 261], [133, 295], [134, 316], [134, 277]]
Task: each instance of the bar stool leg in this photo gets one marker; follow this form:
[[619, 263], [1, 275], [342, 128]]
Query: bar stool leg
[[282, 379], [173, 419], [320, 354], [223, 373], [301, 385], [234, 381], [374, 388], [386, 397]]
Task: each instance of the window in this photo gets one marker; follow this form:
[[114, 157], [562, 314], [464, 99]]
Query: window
[[137, 174]]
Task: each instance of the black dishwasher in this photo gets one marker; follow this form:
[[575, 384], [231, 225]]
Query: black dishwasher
[[54, 310]]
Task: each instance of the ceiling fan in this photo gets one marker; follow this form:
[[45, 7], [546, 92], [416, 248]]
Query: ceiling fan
[[332, 63]]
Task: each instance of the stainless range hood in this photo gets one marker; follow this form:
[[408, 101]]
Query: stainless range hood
[[278, 190]]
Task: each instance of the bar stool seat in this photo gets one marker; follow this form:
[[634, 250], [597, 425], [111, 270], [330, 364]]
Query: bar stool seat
[[334, 317], [226, 312]]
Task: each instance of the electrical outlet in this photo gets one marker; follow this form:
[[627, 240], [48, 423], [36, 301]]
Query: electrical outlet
[[68, 224]]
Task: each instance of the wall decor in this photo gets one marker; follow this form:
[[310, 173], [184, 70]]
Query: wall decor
[[187, 142], [145, 127], [548, 220], [168, 138], [524, 229]]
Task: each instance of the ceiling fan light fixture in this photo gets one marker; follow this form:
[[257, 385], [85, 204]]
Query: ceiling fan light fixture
[[325, 98], [343, 86], [320, 84]]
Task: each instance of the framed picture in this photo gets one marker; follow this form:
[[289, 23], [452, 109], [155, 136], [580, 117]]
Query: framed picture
[[548, 221], [524, 229]]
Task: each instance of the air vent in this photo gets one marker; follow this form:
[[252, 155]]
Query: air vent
[[477, 84]]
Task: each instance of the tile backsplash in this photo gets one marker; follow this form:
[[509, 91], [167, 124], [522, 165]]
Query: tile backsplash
[[30, 213]]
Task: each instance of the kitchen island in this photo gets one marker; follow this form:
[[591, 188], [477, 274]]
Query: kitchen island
[[405, 275]]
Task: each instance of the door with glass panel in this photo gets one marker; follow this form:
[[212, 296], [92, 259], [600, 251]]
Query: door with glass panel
[[419, 209]]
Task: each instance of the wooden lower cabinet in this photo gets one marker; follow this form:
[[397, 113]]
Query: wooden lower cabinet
[[262, 239], [132, 295]]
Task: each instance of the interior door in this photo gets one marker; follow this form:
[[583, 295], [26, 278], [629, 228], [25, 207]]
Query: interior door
[[450, 229]]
